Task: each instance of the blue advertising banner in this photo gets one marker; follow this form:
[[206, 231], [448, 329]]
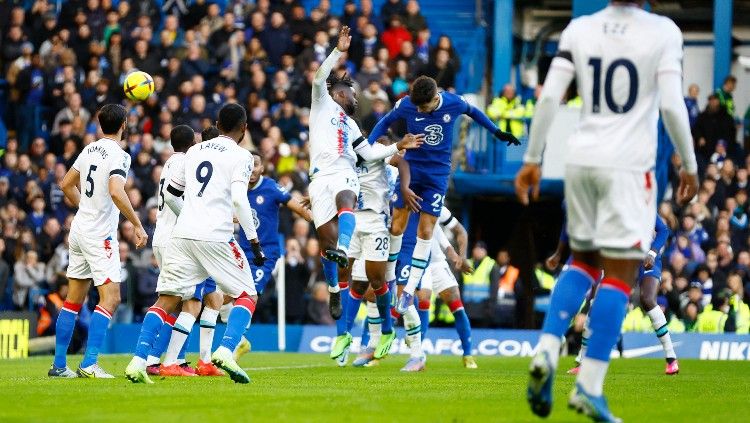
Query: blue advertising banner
[[486, 342]]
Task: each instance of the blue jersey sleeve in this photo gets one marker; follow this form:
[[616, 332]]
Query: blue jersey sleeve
[[381, 128], [282, 195], [481, 118], [662, 234]]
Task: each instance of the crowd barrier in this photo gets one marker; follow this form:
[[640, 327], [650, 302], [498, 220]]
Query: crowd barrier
[[16, 331]]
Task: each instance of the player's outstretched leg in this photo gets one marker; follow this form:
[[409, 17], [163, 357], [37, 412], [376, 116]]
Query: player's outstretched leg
[[153, 361], [606, 316], [152, 324], [66, 322], [565, 301], [649, 286], [180, 332], [347, 224], [419, 261], [89, 368], [331, 273], [239, 320]]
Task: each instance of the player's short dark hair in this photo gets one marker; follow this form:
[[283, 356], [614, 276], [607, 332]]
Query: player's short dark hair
[[210, 133], [182, 137], [334, 81], [111, 118], [231, 118], [256, 154], [423, 90]]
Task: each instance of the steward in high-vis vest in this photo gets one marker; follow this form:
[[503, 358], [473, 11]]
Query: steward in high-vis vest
[[508, 111]]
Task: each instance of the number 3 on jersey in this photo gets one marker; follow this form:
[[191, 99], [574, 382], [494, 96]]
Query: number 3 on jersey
[[203, 175], [596, 64]]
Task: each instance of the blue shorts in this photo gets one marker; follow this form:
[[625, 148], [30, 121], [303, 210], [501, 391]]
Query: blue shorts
[[261, 275], [204, 288], [655, 271], [431, 188], [402, 272]]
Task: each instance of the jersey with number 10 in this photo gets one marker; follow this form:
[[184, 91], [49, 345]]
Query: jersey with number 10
[[210, 168], [617, 55], [434, 156]]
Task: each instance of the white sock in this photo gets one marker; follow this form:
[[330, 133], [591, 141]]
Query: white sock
[[334, 289], [591, 376], [659, 321], [412, 324], [208, 326], [421, 252], [152, 360], [180, 332], [141, 363], [373, 328], [393, 250], [224, 312], [584, 342], [550, 344]]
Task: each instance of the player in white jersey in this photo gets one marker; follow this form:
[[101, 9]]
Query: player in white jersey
[[176, 329], [628, 66], [93, 251], [335, 141], [214, 184]]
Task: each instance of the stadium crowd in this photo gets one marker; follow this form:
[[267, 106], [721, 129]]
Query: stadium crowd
[[62, 63]]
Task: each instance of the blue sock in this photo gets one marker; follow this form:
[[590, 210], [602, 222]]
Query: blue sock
[[152, 324], [346, 229], [352, 308], [463, 327], [331, 273], [365, 333], [238, 321], [341, 322], [383, 301], [66, 323], [567, 297], [605, 318], [183, 350], [97, 334], [162, 341], [423, 309]]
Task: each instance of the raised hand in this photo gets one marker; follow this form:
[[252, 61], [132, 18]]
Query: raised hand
[[345, 40], [411, 141], [527, 178]]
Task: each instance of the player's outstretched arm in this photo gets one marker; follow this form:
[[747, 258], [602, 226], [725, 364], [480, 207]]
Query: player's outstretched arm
[[296, 206], [319, 82], [69, 186], [122, 202], [381, 128], [411, 199], [244, 214], [486, 123]]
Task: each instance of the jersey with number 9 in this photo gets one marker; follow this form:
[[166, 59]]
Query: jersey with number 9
[[97, 216], [616, 55], [208, 171]]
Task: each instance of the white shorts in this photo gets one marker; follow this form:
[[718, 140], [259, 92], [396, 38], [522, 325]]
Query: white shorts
[[438, 277], [370, 238], [323, 190], [358, 271], [187, 262], [158, 254], [610, 210], [96, 259]]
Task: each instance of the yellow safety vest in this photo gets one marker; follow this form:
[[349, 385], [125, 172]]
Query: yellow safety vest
[[477, 284], [636, 321], [741, 315], [508, 114], [676, 325], [530, 108], [711, 321], [546, 281], [726, 101]]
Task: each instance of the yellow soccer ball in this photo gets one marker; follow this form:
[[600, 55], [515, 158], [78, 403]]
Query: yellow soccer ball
[[138, 86]]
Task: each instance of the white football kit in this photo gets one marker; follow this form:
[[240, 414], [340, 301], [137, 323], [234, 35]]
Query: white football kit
[[335, 141], [203, 243], [370, 239], [93, 248], [165, 217], [617, 56]]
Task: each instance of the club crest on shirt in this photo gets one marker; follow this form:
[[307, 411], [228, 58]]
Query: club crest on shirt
[[446, 118], [260, 199]]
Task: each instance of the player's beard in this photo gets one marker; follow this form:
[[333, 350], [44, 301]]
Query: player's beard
[[350, 109]]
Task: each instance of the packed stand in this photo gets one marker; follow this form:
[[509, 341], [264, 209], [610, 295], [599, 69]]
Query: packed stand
[[61, 64]]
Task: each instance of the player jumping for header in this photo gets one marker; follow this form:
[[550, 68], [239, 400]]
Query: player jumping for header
[[335, 141], [433, 114]]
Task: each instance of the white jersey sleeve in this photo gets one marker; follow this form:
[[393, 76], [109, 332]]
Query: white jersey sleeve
[[97, 215], [446, 218], [165, 217]]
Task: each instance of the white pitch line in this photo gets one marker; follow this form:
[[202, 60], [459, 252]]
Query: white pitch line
[[301, 366]]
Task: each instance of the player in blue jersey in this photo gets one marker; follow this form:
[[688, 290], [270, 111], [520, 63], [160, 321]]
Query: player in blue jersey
[[433, 114]]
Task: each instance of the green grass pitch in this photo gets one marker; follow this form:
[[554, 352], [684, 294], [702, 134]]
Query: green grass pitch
[[307, 387]]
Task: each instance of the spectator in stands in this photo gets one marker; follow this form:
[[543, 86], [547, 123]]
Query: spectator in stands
[[297, 278], [508, 111], [395, 35], [4, 277], [716, 317], [445, 43], [691, 102], [379, 109], [317, 309], [712, 125], [442, 71], [413, 19], [724, 94], [276, 39], [738, 306], [507, 275], [391, 8], [366, 45], [27, 276]]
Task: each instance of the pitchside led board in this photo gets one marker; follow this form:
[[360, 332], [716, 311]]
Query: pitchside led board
[[15, 331]]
